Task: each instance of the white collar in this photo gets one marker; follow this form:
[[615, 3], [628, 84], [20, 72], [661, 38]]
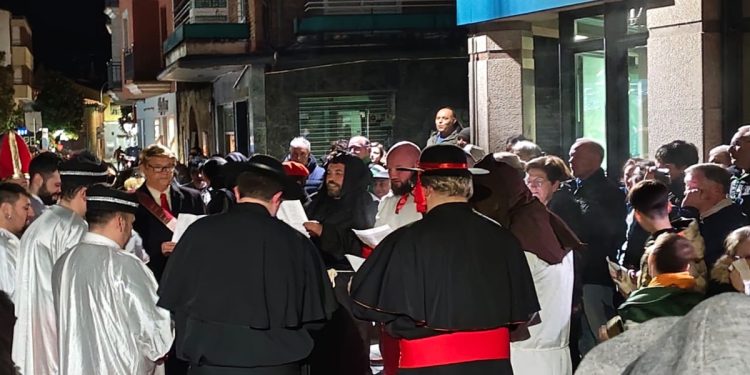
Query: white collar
[[97, 239], [9, 234], [36, 197], [157, 194], [724, 203]]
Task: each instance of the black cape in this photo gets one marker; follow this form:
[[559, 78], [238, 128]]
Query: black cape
[[454, 270], [356, 209], [244, 288]]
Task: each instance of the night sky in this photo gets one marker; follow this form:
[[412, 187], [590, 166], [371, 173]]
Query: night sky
[[69, 36]]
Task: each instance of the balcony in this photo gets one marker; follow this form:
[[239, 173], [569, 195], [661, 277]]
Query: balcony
[[21, 56], [23, 93], [21, 38], [207, 33], [201, 11], [114, 75], [376, 15], [22, 75]]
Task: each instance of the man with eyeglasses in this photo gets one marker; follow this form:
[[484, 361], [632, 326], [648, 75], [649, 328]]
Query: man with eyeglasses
[[162, 200]]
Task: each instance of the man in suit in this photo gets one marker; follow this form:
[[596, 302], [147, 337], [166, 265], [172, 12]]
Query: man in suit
[[162, 200]]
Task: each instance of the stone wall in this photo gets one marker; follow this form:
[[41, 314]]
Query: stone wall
[[194, 111], [421, 87]]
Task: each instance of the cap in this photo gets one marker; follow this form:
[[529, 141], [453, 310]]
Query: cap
[[295, 169], [379, 172], [102, 198]]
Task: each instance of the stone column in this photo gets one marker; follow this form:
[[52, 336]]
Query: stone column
[[684, 74], [257, 109], [501, 84]]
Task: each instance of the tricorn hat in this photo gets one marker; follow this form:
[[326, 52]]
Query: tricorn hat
[[101, 198], [444, 160], [272, 167], [84, 169]]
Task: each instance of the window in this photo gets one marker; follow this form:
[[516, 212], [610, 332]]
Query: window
[[325, 119]]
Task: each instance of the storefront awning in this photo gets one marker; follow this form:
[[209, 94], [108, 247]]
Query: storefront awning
[[475, 11]]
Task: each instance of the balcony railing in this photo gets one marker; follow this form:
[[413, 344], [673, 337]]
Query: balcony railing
[[350, 7], [114, 75], [206, 32], [128, 65], [200, 11]]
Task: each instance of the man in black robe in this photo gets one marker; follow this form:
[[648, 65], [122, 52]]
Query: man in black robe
[[450, 286], [244, 287]]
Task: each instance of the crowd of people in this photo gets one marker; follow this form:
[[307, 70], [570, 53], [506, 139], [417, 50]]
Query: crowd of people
[[512, 261]]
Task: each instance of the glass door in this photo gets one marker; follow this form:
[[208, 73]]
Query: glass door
[[591, 96]]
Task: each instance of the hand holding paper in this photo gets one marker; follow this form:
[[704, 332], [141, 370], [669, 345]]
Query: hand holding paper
[[292, 213], [372, 237]]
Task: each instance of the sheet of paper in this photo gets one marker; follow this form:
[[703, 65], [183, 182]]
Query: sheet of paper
[[372, 237], [183, 222], [292, 213], [355, 261]]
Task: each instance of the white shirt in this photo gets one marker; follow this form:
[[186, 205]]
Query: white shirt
[[123, 292], [387, 212], [9, 245], [156, 194]]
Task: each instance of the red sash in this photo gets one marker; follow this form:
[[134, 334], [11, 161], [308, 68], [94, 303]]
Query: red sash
[[165, 217], [458, 347]]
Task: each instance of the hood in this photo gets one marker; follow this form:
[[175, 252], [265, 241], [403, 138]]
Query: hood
[[357, 176]]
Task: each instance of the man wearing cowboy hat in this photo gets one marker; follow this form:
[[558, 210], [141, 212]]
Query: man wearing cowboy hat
[[449, 298], [125, 292], [242, 306]]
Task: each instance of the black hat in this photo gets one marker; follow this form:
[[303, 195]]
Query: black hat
[[84, 169], [272, 167], [102, 198], [445, 160]]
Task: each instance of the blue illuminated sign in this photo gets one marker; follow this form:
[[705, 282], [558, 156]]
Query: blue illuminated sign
[[473, 11]]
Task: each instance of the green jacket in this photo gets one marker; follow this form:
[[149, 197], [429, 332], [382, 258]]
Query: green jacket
[[655, 302]]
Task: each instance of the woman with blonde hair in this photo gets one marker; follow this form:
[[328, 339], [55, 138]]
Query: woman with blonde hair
[[732, 271]]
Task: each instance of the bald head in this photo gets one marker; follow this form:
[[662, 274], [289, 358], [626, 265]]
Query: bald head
[[359, 146], [586, 158], [402, 155]]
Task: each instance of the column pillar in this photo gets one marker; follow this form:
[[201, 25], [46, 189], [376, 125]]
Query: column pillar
[[684, 74], [501, 84]]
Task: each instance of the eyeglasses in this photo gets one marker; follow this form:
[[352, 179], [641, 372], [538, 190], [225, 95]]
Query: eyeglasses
[[537, 182], [161, 169]]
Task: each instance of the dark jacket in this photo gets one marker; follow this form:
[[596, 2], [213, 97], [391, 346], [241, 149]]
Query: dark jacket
[[154, 233], [656, 302], [316, 177], [635, 245], [355, 209], [564, 205], [604, 212], [715, 229], [739, 192]]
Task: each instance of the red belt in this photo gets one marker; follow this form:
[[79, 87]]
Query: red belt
[[455, 347]]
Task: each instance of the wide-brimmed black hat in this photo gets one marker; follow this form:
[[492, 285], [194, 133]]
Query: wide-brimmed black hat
[[101, 198], [84, 169], [444, 160], [272, 167]]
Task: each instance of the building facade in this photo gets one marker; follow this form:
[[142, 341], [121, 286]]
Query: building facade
[[630, 74]]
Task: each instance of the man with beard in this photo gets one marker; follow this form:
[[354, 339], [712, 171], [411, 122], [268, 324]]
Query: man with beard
[[400, 207], [44, 181], [397, 209], [342, 204]]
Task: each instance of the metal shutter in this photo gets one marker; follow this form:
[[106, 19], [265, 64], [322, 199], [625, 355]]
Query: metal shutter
[[324, 119]]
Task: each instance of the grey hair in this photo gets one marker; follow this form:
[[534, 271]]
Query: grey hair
[[300, 142]]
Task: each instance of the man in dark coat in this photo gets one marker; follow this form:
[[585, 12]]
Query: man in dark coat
[[451, 286], [342, 204], [167, 200], [604, 215], [245, 287]]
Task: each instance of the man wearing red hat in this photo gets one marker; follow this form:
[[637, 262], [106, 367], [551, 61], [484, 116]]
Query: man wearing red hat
[[14, 159], [450, 299]]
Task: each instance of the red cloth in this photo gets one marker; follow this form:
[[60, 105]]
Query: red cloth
[[165, 204], [366, 251], [6, 158], [457, 347], [390, 352]]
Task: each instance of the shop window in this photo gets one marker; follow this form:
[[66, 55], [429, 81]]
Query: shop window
[[588, 28], [638, 101], [591, 99], [325, 119]]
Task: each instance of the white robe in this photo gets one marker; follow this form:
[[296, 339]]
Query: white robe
[[107, 320], [387, 212], [35, 334], [547, 352], [9, 245]]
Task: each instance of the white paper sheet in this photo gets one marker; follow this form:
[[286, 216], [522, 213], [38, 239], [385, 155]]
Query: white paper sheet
[[355, 261], [372, 237], [292, 213], [183, 222]]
